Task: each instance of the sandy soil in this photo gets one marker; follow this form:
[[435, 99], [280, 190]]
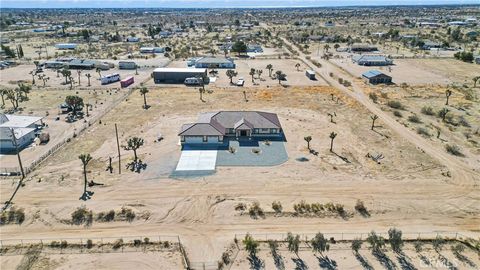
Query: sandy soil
[[341, 256], [406, 190]]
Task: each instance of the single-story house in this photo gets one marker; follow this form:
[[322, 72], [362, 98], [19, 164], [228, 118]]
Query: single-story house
[[178, 75], [214, 62], [66, 46], [376, 77], [372, 60], [357, 47], [215, 127], [152, 50], [87, 64], [24, 128], [53, 64]]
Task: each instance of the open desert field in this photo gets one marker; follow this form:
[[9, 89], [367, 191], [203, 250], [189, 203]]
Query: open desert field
[[407, 188], [419, 71]]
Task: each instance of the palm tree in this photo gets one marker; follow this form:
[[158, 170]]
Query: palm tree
[[374, 117], [85, 158], [133, 144], [270, 69], [231, 73], [252, 73], [308, 139], [144, 91], [297, 65], [88, 75], [448, 93], [332, 137]]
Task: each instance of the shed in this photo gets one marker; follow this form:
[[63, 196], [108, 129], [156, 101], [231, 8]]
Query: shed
[[376, 77], [178, 75]]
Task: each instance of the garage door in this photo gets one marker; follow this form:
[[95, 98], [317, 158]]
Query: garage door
[[197, 161]]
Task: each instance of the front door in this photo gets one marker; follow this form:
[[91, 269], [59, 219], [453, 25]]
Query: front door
[[243, 133]]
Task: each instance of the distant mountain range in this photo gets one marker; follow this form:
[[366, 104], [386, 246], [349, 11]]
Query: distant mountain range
[[218, 3]]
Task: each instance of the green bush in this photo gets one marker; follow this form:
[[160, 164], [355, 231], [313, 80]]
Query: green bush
[[397, 114], [395, 105], [428, 110], [454, 150], [414, 119]]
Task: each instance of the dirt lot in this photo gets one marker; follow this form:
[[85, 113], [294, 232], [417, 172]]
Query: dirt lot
[[407, 189], [419, 71], [341, 256]]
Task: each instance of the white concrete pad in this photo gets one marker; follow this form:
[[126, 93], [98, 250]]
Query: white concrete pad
[[197, 161]]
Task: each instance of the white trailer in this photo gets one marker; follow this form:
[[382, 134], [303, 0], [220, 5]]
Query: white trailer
[[110, 78]]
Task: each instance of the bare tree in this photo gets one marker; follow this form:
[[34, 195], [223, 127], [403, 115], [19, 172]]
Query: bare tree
[[374, 118], [332, 137]]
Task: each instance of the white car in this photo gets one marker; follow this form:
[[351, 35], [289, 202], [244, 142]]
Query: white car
[[240, 82]]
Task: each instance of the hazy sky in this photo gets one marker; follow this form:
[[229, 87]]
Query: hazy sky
[[214, 3]]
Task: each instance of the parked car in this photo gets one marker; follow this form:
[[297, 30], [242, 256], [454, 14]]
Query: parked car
[[192, 81], [240, 82]]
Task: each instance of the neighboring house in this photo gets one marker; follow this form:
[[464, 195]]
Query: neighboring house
[[152, 50], [24, 128], [87, 64], [254, 48], [376, 77], [363, 48], [216, 127], [66, 46], [372, 60], [431, 45], [178, 75], [214, 62], [127, 65], [133, 39], [477, 60]]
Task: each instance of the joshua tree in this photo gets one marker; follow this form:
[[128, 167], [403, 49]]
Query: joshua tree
[[252, 73], [250, 245], [3, 93], [448, 93], [45, 79], [326, 47], [200, 92], [395, 239], [88, 75], [332, 137], [85, 158], [297, 66], [319, 244], [143, 92], [33, 73], [280, 76], [336, 46], [230, 74], [475, 80], [331, 117], [67, 74], [259, 73], [308, 139], [270, 69], [132, 145], [374, 118], [79, 72], [293, 243], [443, 113], [99, 71]]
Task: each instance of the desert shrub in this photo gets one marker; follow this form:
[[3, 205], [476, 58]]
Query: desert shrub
[[397, 114], [356, 245], [277, 206], [423, 131], [255, 210], [137, 242], [454, 150], [146, 240], [438, 243], [373, 97], [79, 216], [63, 244], [340, 80], [226, 258], [428, 110], [89, 244], [317, 207], [395, 105], [462, 121], [384, 95], [54, 244], [414, 119], [347, 83], [166, 244], [418, 245], [302, 207], [12, 216], [117, 244], [240, 207], [109, 216], [331, 74], [360, 207], [339, 208]]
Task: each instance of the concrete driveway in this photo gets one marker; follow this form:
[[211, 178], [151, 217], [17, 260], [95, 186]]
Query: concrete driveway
[[197, 160]]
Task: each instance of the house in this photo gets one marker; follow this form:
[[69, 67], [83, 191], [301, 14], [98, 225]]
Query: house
[[219, 127], [372, 60], [214, 62], [24, 128], [127, 65], [357, 47], [178, 75], [133, 39], [87, 64], [254, 48], [66, 46], [152, 50], [376, 77]]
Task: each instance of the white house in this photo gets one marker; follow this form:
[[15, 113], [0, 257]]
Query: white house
[[24, 128]]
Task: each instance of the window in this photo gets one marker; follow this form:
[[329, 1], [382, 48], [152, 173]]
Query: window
[[205, 139], [182, 138], [220, 138], [273, 130]]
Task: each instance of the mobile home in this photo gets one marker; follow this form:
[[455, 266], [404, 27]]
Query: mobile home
[[110, 78]]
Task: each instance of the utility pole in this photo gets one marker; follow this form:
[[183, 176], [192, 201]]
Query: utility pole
[[118, 147], [14, 140]]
